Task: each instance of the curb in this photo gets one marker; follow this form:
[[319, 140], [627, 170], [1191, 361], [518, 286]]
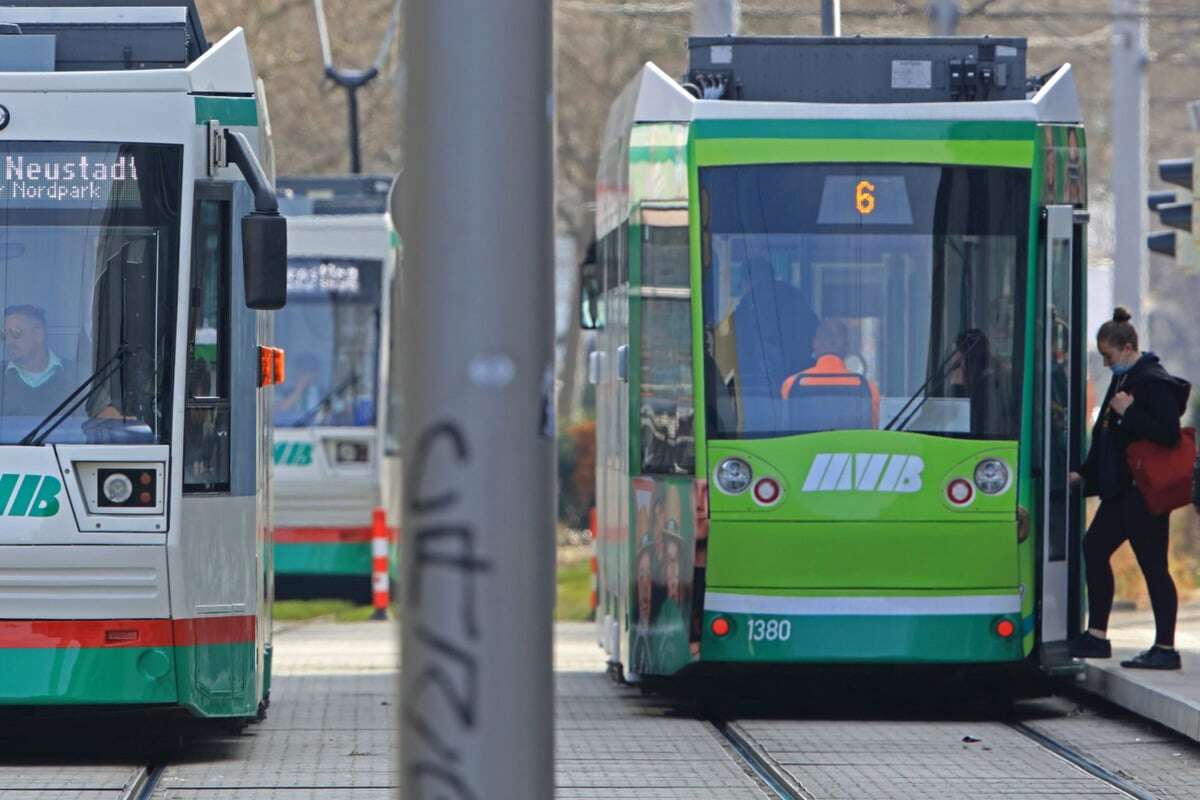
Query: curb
[[1154, 703]]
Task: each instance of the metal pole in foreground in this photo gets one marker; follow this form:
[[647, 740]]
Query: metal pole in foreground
[[476, 706], [831, 17], [715, 17], [1129, 121]]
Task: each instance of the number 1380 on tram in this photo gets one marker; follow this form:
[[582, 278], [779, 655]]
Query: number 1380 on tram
[[139, 239]]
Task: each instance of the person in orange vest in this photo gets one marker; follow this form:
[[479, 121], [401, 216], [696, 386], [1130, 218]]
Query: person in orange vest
[[830, 345]]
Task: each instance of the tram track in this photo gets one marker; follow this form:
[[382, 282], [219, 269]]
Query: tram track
[[143, 782], [760, 763], [784, 786], [1080, 761]]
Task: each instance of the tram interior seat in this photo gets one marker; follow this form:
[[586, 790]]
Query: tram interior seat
[[824, 406]]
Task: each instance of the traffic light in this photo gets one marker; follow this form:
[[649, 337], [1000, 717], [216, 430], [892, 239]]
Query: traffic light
[[1175, 210]]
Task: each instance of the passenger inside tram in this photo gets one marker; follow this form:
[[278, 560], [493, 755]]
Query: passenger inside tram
[[975, 375]]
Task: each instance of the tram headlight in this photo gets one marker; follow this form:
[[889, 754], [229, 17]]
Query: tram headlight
[[127, 488], [117, 488], [349, 452], [733, 476], [991, 476]]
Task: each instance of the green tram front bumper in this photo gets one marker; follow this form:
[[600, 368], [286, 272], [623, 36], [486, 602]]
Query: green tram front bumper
[[872, 592], [876, 629]]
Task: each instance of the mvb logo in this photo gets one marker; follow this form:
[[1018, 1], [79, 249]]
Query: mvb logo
[[292, 454], [864, 472], [31, 495]]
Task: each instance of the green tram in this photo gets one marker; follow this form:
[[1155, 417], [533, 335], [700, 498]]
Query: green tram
[[839, 295]]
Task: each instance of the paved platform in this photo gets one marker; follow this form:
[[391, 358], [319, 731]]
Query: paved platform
[[331, 731], [1169, 698]]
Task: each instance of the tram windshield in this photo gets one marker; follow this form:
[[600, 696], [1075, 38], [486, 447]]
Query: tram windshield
[[89, 253], [844, 296], [330, 330]]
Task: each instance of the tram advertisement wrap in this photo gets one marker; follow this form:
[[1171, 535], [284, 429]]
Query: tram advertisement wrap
[[662, 635]]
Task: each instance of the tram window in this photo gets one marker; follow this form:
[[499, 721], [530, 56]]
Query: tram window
[[667, 412], [815, 292], [207, 407], [88, 258], [330, 329]]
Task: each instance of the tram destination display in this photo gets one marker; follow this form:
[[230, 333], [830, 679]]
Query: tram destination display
[[80, 179]]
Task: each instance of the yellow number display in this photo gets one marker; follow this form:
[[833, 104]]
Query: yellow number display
[[864, 200]]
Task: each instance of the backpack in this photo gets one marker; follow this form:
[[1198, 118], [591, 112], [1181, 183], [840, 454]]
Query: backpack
[[1163, 473]]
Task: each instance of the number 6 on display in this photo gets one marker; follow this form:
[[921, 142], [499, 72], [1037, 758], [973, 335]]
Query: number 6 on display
[[864, 201]]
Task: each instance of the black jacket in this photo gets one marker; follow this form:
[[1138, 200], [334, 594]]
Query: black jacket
[[1159, 399], [19, 399]]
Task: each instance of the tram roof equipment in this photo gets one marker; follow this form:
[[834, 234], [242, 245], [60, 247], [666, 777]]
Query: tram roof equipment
[[334, 195], [99, 35], [653, 96], [856, 69]]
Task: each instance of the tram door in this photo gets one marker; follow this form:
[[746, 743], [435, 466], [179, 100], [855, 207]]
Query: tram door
[[1061, 387]]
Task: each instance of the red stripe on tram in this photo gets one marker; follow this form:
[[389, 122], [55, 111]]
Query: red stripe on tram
[[69, 633], [214, 630], [322, 535], [66, 634]]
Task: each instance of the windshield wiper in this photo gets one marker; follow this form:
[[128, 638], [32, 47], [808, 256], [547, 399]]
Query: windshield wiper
[[307, 417], [936, 375], [75, 399]]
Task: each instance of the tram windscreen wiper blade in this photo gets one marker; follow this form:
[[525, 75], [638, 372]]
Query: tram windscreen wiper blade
[[307, 417], [936, 375], [76, 398]]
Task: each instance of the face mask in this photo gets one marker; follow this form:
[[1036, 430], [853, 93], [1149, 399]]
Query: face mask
[[1121, 369]]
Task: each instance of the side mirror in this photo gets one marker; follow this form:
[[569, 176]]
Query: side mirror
[[264, 260]]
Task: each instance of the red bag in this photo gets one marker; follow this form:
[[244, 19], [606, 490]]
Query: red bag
[[1162, 473]]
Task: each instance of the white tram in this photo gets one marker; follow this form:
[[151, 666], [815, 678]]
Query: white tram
[[330, 417], [139, 233]]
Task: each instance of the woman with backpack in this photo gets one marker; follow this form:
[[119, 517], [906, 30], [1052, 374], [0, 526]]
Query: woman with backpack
[[1143, 403]]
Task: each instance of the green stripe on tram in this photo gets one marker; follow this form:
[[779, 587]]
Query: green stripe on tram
[[911, 639], [1007, 153], [227, 110], [924, 130], [85, 676], [332, 558], [224, 679], [211, 680]]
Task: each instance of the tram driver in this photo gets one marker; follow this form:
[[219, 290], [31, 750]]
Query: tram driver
[[36, 379], [830, 348]]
